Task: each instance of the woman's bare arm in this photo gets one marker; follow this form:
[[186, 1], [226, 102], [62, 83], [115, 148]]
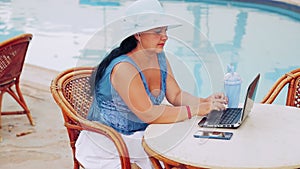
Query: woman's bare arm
[[127, 82]]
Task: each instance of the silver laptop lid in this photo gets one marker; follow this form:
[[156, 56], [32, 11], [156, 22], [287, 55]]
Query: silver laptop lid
[[250, 97]]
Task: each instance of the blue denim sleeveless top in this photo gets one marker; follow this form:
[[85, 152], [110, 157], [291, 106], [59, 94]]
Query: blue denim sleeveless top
[[109, 108]]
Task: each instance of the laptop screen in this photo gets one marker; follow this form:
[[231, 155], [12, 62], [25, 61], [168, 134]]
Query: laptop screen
[[250, 97]]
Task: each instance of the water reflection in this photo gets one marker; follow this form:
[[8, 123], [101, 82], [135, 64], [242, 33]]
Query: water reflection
[[90, 54], [100, 2]]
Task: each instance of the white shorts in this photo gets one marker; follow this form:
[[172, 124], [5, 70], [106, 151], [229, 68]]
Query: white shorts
[[95, 151]]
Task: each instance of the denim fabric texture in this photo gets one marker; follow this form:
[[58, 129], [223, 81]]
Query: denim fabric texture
[[109, 108]]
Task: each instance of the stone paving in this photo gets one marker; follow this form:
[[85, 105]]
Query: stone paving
[[43, 145]]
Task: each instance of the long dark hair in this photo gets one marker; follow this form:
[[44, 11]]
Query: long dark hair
[[126, 46]]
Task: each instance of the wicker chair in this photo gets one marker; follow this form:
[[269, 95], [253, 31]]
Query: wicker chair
[[70, 89], [12, 56], [292, 79]]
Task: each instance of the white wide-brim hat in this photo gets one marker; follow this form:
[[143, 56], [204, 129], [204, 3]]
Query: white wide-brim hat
[[144, 15]]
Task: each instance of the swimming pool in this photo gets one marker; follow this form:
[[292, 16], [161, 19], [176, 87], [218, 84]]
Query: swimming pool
[[255, 38]]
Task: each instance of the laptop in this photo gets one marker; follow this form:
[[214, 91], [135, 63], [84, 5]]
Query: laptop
[[232, 117]]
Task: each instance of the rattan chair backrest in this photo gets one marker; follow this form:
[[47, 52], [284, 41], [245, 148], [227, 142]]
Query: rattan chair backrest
[[12, 57], [76, 91], [290, 80], [71, 91]]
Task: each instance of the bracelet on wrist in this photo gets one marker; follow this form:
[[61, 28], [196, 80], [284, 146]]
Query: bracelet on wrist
[[189, 113]]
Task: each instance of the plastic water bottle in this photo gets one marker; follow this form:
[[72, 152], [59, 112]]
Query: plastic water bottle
[[232, 87]]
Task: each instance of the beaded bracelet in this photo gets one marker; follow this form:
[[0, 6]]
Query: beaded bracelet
[[189, 113]]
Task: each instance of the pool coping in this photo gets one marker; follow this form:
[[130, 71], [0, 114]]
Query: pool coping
[[289, 5]]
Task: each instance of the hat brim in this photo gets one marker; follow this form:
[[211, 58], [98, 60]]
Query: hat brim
[[111, 34], [142, 22]]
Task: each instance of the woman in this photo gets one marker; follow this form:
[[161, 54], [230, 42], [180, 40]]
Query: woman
[[130, 85]]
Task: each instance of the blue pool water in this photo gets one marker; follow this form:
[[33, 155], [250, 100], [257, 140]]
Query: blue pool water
[[254, 38]]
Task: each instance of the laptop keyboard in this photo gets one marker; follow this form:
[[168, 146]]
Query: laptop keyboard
[[229, 115]]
